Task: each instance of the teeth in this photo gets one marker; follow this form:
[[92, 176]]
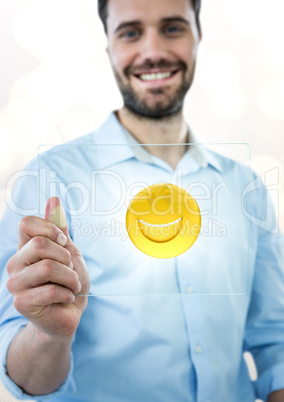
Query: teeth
[[153, 76]]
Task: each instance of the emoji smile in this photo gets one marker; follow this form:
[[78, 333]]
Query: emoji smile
[[159, 226], [172, 219], [160, 233]]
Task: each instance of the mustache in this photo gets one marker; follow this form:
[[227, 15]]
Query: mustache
[[149, 65]]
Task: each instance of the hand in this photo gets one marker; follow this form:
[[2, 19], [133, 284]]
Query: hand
[[46, 272], [276, 396]]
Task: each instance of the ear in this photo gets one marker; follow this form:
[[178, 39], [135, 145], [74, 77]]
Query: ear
[[107, 51], [200, 35]]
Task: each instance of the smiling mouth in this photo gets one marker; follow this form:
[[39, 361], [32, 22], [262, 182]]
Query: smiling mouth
[[160, 233], [149, 77]]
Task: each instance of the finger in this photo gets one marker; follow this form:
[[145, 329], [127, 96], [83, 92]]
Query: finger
[[28, 301], [55, 214], [41, 273], [31, 226], [41, 248]]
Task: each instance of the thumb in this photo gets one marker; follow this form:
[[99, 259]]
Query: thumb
[[54, 213]]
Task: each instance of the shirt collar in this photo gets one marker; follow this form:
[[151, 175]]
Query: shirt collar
[[202, 155], [111, 143], [113, 133]]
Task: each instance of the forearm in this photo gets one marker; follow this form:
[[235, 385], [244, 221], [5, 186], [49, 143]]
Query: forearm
[[277, 396], [37, 363]]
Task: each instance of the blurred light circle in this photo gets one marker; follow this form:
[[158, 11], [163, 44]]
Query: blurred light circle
[[217, 69], [11, 157], [8, 147], [272, 174], [57, 29], [271, 99], [80, 119], [253, 17], [281, 212], [230, 102], [53, 89], [263, 164]]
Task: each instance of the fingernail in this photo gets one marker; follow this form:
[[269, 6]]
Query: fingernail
[[73, 299], [79, 287], [71, 265], [61, 239]]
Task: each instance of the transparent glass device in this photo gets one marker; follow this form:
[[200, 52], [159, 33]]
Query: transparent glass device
[[97, 183]]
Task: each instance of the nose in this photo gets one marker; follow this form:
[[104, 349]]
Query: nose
[[154, 48]]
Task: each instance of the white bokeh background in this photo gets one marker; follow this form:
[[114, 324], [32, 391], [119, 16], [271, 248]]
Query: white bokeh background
[[56, 82]]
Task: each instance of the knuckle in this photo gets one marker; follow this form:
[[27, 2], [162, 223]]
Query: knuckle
[[25, 223], [75, 279], [47, 269], [39, 242], [76, 251], [67, 256], [52, 292], [18, 303], [10, 283], [51, 231], [69, 297], [11, 265]]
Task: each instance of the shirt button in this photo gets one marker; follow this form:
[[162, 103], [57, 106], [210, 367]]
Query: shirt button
[[189, 289], [198, 349]]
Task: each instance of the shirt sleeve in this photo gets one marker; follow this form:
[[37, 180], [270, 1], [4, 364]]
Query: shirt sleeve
[[264, 337], [23, 201]]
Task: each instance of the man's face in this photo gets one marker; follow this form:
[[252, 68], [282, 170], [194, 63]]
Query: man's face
[[152, 45]]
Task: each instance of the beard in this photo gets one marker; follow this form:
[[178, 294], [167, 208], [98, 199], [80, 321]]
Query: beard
[[173, 103]]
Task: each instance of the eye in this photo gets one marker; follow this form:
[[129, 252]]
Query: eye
[[130, 34], [173, 30], [150, 200]]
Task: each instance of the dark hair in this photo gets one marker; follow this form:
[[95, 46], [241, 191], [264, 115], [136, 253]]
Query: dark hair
[[102, 10]]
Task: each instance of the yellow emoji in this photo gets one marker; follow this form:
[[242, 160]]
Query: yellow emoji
[[163, 220]]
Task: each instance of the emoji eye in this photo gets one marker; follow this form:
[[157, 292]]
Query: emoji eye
[[150, 200]]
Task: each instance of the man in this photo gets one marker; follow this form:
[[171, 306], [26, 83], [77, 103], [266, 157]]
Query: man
[[140, 348]]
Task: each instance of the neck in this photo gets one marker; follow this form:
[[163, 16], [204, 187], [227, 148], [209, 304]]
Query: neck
[[167, 130]]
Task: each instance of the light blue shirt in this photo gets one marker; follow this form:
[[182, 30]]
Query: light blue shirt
[[159, 329]]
